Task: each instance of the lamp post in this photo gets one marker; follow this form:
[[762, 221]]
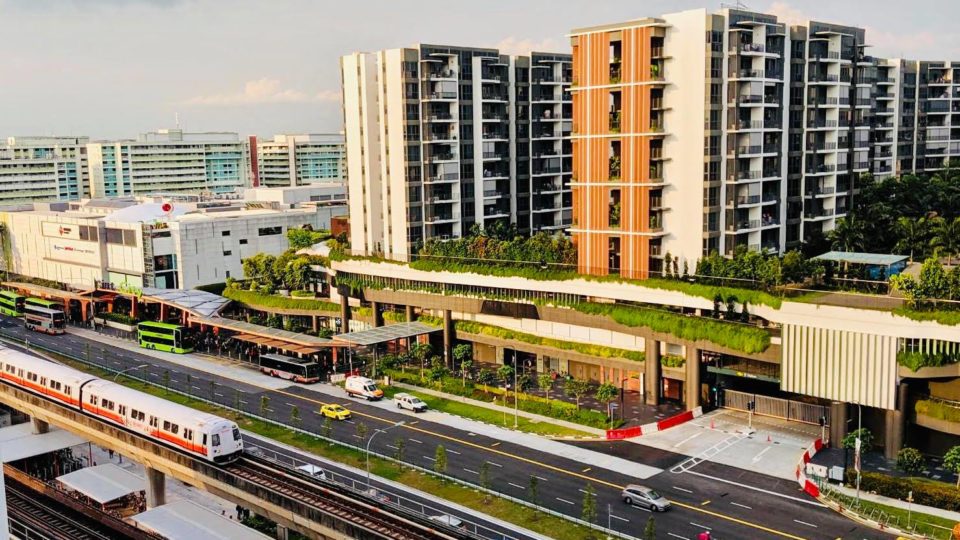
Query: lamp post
[[370, 440], [859, 446], [516, 395], [122, 371]]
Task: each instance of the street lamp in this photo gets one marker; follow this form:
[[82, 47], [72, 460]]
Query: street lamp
[[370, 440], [859, 453], [122, 371]]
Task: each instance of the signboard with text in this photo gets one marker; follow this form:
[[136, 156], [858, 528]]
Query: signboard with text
[[60, 230]]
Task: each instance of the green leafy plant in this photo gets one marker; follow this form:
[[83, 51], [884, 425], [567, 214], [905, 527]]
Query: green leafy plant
[[910, 460], [866, 440]]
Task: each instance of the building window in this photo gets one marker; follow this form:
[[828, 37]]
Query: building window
[[224, 233], [227, 253], [243, 241], [228, 274], [270, 231]]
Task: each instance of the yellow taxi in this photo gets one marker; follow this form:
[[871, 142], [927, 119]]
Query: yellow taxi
[[335, 411]]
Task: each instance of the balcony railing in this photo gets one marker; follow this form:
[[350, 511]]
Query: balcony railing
[[615, 122], [749, 47], [615, 73], [821, 169]]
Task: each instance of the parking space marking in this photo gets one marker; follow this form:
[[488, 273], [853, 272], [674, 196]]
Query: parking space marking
[[694, 436], [759, 456]]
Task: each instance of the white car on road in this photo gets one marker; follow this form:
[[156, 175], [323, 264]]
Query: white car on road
[[411, 403]]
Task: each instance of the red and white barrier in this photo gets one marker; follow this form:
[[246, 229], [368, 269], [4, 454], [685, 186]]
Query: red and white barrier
[[805, 483], [653, 427]]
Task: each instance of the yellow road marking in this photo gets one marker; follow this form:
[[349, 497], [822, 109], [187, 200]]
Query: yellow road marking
[[552, 467], [587, 469], [704, 503]]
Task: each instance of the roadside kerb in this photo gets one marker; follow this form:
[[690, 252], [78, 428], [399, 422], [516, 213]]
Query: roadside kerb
[[131, 375], [653, 427]]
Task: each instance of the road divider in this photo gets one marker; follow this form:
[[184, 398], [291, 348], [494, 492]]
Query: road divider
[[653, 427]]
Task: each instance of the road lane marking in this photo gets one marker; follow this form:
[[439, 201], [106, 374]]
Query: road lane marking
[[677, 536], [416, 441], [470, 471], [805, 523], [694, 436], [741, 505], [757, 457], [392, 446], [704, 503], [217, 394], [565, 501], [453, 452], [496, 444], [430, 458], [587, 469], [497, 465], [748, 486], [699, 526], [540, 478], [682, 489], [516, 486], [620, 518]]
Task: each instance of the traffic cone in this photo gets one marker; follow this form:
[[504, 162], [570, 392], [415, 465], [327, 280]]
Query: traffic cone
[[711, 423], [768, 438]]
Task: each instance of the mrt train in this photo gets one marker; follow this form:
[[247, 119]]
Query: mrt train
[[185, 429]]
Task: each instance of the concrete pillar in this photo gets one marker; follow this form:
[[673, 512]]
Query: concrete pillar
[[315, 323], [838, 423], [895, 424], [448, 338], [652, 370], [692, 384], [344, 314], [282, 532], [411, 316], [163, 312], [38, 426], [377, 314], [156, 488]]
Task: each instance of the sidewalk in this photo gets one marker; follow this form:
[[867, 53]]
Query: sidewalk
[[236, 371], [897, 503], [501, 408]]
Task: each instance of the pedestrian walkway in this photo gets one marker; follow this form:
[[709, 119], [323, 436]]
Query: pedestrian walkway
[[501, 408], [237, 371], [897, 503]]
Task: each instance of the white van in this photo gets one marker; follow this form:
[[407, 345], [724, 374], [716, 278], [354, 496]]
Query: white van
[[363, 387]]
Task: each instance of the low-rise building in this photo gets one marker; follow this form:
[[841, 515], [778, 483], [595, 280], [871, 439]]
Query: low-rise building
[[43, 169]]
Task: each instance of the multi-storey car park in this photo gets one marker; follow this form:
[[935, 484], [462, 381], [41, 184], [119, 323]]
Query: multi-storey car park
[[442, 138]]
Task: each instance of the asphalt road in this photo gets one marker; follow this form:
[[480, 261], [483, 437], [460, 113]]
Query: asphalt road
[[731, 503]]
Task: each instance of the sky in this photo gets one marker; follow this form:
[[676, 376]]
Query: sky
[[116, 68]]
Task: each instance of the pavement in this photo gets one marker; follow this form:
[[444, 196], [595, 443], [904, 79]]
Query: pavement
[[732, 503]]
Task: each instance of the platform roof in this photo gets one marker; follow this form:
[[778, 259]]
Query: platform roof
[[103, 483], [875, 259], [386, 333], [187, 519], [45, 291], [19, 441], [195, 302], [250, 329]]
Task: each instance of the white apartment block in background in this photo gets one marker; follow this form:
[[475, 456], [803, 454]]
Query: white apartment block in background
[[168, 161], [440, 139], [43, 169], [297, 160]]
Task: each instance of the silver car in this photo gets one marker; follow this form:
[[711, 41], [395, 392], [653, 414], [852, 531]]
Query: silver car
[[643, 496]]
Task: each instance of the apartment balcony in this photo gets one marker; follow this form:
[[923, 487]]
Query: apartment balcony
[[825, 56], [940, 81], [822, 124], [743, 225], [615, 122], [495, 174], [439, 118], [495, 135], [746, 151], [494, 212], [821, 169], [884, 80], [746, 74], [440, 75], [743, 200], [823, 102], [441, 178], [441, 199], [440, 157], [450, 136], [489, 94], [822, 78], [746, 100], [823, 213], [749, 49], [437, 219], [821, 191], [745, 125], [616, 73], [439, 96], [822, 147], [546, 171], [744, 176]]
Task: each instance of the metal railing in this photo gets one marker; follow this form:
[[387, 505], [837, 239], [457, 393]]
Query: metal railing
[[787, 409]]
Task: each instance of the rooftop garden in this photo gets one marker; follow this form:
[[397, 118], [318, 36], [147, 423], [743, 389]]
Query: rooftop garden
[[259, 299], [932, 296]]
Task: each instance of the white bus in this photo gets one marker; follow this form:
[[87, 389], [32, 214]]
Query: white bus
[[41, 319]]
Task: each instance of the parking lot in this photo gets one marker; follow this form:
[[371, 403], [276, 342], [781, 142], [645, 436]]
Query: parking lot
[[721, 436]]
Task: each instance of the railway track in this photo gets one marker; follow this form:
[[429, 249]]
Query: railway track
[[41, 520], [340, 506]]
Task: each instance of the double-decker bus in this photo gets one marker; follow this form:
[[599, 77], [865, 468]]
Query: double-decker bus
[[11, 303], [294, 369], [40, 302], [41, 319], [164, 337]]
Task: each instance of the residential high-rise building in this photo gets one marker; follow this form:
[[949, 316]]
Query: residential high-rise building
[[441, 139], [297, 160], [787, 119], [168, 161], [43, 169]]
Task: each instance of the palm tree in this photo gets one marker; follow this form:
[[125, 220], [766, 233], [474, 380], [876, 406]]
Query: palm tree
[[946, 236], [912, 236], [847, 235]]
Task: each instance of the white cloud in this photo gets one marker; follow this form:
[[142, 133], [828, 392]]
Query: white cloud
[[788, 14], [513, 45], [263, 91]]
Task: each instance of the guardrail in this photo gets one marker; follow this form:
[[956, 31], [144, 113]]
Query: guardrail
[[653, 427], [133, 376]]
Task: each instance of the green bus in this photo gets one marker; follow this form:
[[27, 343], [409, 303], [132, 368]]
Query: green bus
[[164, 337], [11, 303], [40, 302]]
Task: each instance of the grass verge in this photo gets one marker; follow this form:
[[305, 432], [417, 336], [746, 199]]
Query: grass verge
[[490, 416], [933, 526], [497, 507], [949, 318]]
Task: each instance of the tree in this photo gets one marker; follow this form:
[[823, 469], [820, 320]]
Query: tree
[[438, 371], [589, 510], [295, 419], [264, 405], [606, 393], [463, 356], [744, 314], [420, 352], [912, 236], [398, 450], [847, 235], [362, 431], [440, 460], [545, 382], [731, 313], [946, 237], [505, 372], [327, 428], [576, 388], [165, 380], [910, 460], [533, 494], [650, 531], [717, 302], [951, 460], [866, 440], [484, 475]]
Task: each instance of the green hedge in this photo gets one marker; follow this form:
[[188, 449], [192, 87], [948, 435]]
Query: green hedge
[[916, 360], [266, 301], [711, 291], [949, 318], [937, 409], [303, 294], [925, 492], [741, 337], [553, 408], [600, 351], [672, 361], [121, 318]]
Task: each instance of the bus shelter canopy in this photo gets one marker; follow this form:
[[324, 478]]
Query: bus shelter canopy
[[202, 303], [383, 334], [283, 336]]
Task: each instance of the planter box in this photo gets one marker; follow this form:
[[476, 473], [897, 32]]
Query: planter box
[[115, 325]]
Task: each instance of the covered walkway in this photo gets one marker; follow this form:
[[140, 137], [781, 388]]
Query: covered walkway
[[186, 519]]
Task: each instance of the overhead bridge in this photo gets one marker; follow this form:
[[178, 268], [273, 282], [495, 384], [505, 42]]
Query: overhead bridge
[[315, 508]]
